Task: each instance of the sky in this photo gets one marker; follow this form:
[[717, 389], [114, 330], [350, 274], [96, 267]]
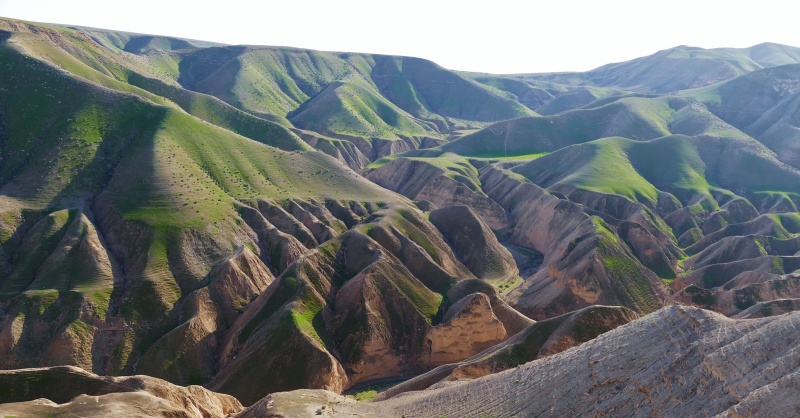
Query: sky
[[498, 36]]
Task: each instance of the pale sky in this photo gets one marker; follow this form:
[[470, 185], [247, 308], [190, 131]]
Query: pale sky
[[498, 36]]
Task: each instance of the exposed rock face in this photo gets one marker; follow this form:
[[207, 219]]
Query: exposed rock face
[[297, 403], [474, 243], [87, 315], [260, 353], [581, 266], [61, 263], [679, 361], [539, 340], [770, 308], [419, 180], [345, 151], [735, 299], [600, 387], [367, 304], [377, 326], [469, 327], [444, 191], [237, 281], [612, 242], [37, 392]]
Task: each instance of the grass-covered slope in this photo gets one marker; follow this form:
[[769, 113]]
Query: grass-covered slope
[[430, 92], [532, 95], [764, 104], [252, 90], [137, 237], [163, 208], [637, 118], [354, 107], [567, 255], [150, 76], [261, 80], [278, 81], [117, 209], [139, 43], [684, 166], [572, 99]]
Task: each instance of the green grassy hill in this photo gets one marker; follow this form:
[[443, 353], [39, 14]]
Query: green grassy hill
[[152, 220], [191, 210], [638, 118], [764, 104], [115, 209], [354, 107], [251, 90]]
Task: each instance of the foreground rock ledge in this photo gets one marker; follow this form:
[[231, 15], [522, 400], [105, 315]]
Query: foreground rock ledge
[[38, 392], [678, 361]]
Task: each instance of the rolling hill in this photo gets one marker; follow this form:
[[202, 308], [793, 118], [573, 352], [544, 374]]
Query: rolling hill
[[259, 219]]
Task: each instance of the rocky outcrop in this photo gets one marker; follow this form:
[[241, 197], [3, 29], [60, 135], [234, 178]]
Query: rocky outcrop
[[444, 191], [365, 305], [582, 265], [38, 392], [677, 362], [262, 351], [734, 300], [235, 282], [513, 321], [164, 314], [286, 223], [617, 373], [345, 151], [52, 312], [770, 308], [278, 249], [469, 327], [421, 180], [642, 230], [297, 403], [539, 340]]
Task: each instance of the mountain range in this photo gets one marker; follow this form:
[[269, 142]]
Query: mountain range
[[196, 229]]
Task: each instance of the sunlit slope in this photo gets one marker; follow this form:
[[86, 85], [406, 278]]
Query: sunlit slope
[[115, 209], [355, 108], [764, 104], [638, 118], [151, 76], [139, 238], [683, 166], [254, 91]]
